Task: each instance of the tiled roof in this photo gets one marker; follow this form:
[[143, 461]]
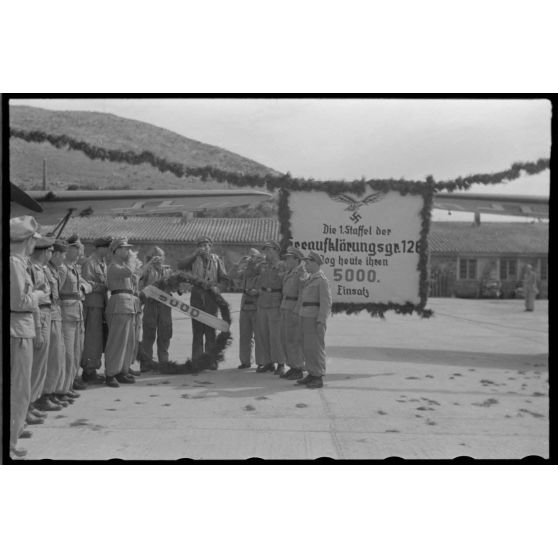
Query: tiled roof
[[444, 238], [173, 229], [500, 238]]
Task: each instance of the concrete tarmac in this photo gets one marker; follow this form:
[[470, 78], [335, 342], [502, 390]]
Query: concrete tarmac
[[470, 381]]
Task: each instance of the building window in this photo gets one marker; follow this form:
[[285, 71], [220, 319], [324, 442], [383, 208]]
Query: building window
[[508, 270], [467, 269], [543, 269]]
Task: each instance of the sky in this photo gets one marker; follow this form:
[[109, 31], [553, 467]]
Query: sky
[[352, 138]]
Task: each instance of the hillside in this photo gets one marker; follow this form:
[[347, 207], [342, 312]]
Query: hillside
[[70, 168]]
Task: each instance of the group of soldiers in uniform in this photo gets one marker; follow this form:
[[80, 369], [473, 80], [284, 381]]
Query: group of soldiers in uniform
[[62, 318], [283, 312], [66, 311]]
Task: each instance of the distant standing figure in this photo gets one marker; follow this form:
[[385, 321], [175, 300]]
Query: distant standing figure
[[530, 290], [314, 306]]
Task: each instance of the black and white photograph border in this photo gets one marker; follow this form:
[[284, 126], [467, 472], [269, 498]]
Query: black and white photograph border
[[456, 367]]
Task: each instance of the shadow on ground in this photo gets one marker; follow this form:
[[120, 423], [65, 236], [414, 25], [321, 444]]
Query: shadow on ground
[[435, 356]]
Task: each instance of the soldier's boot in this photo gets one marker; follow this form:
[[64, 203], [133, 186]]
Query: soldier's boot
[[305, 380], [315, 382]]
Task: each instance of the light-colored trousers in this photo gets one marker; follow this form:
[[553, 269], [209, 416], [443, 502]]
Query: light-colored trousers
[[291, 338], [21, 361], [40, 358], [93, 342], [269, 335], [137, 337], [56, 365], [119, 352], [248, 338], [72, 332], [313, 346], [530, 296]]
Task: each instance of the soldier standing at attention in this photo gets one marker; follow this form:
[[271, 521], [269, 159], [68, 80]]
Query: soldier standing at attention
[[37, 269], [290, 320], [54, 382], [209, 268], [72, 291], [270, 284], [314, 308], [94, 271], [248, 271], [121, 316], [24, 301], [157, 317]]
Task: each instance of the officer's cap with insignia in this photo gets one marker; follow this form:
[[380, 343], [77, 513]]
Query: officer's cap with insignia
[[21, 228], [204, 240], [102, 242], [74, 241], [44, 242], [119, 243], [313, 257], [272, 244], [294, 252], [60, 245]]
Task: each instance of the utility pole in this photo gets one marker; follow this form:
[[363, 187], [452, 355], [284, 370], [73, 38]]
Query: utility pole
[[44, 174]]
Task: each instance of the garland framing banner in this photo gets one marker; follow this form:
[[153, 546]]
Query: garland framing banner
[[374, 245]]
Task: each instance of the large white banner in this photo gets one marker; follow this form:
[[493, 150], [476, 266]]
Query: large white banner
[[371, 243]]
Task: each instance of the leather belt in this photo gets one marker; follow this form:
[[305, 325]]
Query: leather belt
[[310, 304], [45, 305], [121, 291], [20, 312], [290, 298], [266, 290], [70, 296]]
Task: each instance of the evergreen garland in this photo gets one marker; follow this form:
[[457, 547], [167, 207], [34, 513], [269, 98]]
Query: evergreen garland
[[276, 182]]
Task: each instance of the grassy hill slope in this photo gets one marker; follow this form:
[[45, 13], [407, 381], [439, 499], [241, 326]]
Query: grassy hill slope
[[66, 168]]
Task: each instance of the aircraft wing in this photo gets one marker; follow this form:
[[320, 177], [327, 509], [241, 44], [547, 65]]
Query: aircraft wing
[[56, 204], [495, 204]]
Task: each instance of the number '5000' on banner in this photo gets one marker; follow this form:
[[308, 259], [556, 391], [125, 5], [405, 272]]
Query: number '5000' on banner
[[372, 244]]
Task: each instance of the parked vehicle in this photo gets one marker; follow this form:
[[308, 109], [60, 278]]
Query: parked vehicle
[[490, 288]]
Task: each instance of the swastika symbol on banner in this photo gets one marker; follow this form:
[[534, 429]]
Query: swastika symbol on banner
[[355, 217]]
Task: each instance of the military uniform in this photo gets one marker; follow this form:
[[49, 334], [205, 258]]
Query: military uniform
[[314, 307], [157, 318], [43, 326], [56, 364], [270, 285], [212, 271], [121, 317], [94, 270], [24, 301], [72, 289], [248, 318], [290, 320]]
